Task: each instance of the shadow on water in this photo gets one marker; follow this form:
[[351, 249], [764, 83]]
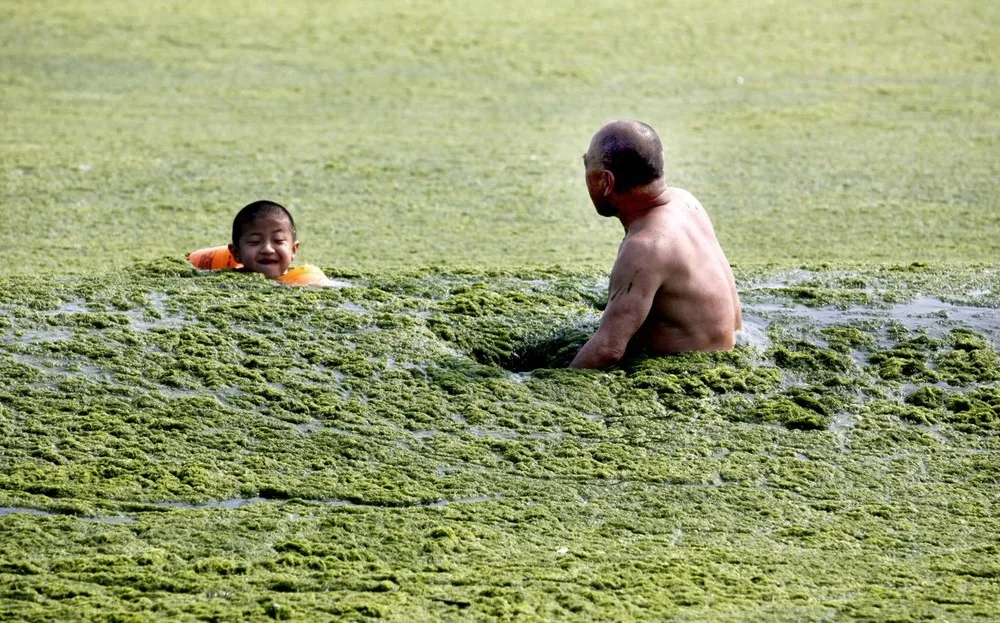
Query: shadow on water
[[555, 349]]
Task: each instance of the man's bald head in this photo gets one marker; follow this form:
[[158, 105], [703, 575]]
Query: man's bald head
[[630, 150]]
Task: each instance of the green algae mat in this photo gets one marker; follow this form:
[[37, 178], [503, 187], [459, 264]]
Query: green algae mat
[[407, 444], [421, 132], [409, 447]]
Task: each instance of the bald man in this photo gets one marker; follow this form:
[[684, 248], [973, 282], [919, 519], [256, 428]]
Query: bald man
[[672, 289]]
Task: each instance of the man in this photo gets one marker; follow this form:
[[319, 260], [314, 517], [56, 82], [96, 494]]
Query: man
[[671, 288]]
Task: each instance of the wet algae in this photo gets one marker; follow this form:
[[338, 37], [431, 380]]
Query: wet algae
[[410, 446]]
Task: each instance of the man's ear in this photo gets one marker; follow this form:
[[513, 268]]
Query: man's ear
[[235, 253], [295, 249], [609, 182]]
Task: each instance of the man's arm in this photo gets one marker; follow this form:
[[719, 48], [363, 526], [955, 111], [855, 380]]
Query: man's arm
[[634, 283]]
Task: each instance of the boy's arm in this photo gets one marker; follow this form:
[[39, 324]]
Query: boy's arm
[[630, 297]]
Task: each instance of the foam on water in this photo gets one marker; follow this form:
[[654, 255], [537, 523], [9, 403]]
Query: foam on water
[[754, 333]]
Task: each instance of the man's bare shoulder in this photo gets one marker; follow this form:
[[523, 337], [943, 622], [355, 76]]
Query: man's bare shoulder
[[651, 239], [648, 251], [684, 197]]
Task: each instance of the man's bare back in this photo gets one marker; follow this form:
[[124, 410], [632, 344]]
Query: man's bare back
[[695, 305], [672, 288]]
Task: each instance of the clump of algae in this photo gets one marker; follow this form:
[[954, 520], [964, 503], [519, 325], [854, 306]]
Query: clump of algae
[[219, 446]]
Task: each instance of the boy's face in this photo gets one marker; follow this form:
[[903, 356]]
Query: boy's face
[[266, 246]]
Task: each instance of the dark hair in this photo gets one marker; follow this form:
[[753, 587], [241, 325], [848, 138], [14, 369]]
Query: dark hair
[[633, 153], [259, 209]]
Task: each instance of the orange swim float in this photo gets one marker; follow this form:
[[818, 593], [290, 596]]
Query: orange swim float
[[305, 275], [219, 258], [213, 258]]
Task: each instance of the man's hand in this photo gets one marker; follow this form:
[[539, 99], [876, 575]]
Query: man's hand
[[630, 296]]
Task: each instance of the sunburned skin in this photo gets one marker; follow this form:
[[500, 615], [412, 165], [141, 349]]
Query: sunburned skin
[[671, 289]]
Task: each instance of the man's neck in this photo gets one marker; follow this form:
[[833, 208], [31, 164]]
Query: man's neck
[[636, 205]]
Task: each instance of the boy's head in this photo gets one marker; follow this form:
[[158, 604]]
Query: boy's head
[[264, 238]]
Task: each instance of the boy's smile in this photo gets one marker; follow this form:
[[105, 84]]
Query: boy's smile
[[267, 246]]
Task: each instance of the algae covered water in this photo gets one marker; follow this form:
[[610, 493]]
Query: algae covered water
[[450, 132], [411, 446]]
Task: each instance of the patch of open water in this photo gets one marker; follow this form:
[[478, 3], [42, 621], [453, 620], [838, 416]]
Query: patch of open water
[[932, 315]]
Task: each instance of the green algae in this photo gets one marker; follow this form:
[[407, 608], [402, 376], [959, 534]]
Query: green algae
[[410, 446], [870, 140], [846, 339]]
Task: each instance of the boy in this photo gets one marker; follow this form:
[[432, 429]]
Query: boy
[[264, 239]]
